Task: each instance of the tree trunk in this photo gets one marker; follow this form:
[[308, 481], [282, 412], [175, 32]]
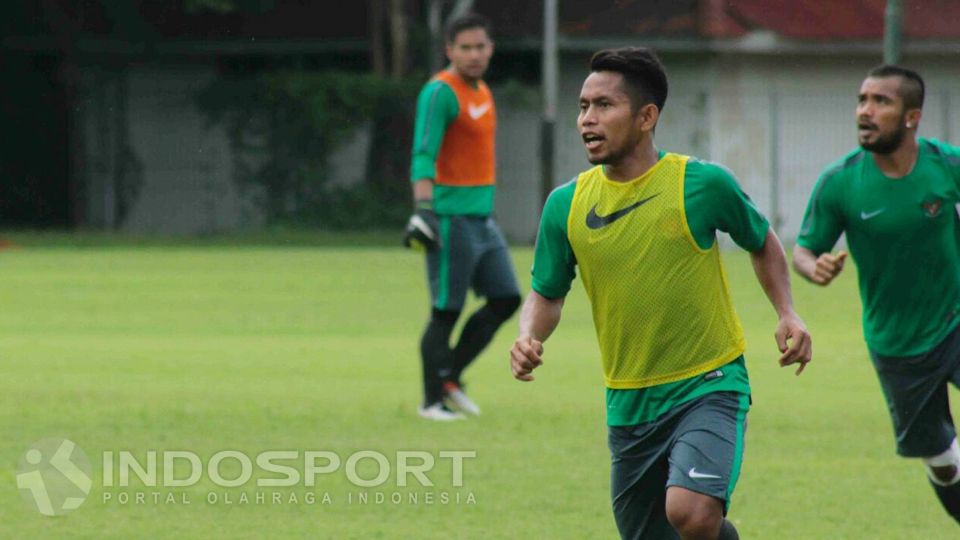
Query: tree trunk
[[435, 58], [377, 57], [400, 38]]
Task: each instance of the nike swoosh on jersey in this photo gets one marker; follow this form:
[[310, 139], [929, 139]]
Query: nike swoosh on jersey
[[476, 111], [595, 221], [867, 215], [694, 474]]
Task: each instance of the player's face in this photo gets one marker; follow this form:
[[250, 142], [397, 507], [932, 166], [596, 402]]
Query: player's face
[[881, 118], [470, 53], [607, 123]]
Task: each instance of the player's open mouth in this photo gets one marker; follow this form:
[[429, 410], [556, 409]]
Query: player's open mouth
[[592, 141], [865, 130]]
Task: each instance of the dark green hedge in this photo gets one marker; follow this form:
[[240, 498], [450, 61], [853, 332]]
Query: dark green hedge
[[284, 126]]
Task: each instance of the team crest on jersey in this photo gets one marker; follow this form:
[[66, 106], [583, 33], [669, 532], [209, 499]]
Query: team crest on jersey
[[932, 208]]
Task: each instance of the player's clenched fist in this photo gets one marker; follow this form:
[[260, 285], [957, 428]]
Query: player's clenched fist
[[525, 357], [827, 268]]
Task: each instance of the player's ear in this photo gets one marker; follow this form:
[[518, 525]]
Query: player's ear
[[648, 116], [912, 118]]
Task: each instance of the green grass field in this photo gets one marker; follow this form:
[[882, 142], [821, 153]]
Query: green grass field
[[250, 348]]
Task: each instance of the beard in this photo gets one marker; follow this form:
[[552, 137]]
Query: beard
[[886, 144]]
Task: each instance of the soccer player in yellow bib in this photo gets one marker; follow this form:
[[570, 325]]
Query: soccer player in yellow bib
[[641, 226]]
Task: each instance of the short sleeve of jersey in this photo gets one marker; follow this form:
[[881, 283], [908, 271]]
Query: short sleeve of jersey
[[823, 221], [436, 108], [714, 201], [553, 260], [951, 156]]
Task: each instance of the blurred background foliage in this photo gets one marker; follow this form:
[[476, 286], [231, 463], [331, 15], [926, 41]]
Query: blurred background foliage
[[284, 125]]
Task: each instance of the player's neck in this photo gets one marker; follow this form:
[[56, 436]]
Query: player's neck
[[472, 81], [635, 164], [901, 161]]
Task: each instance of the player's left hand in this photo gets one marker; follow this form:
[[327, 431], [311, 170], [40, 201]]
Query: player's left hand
[[794, 342], [423, 229]]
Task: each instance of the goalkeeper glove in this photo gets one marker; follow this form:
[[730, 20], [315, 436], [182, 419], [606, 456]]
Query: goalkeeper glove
[[423, 228]]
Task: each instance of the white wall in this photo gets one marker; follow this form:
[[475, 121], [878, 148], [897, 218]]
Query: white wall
[[188, 184], [815, 121], [179, 171], [720, 108], [517, 204]]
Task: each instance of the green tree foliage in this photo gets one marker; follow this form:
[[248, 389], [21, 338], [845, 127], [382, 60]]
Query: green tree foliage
[[284, 126]]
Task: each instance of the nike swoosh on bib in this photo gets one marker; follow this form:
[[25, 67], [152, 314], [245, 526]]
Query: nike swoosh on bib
[[595, 221], [867, 215], [476, 111]]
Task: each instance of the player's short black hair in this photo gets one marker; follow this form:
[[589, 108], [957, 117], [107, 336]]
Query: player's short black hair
[[467, 21], [912, 90], [643, 73]]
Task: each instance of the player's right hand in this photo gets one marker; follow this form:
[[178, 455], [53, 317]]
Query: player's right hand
[[794, 342], [525, 356], [423, 230], [828, 266]]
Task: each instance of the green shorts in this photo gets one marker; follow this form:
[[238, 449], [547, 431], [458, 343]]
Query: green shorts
[[472, 255], [697, 445], [915, 389]]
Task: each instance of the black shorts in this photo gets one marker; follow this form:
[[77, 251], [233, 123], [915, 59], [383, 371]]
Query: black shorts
[[472, 255], [915, 388], [697, 445]]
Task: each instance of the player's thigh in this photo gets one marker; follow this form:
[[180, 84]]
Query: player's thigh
[[450, 268], [915, 390], [951, 355], [638, 477], [494, 275], [708, 445]]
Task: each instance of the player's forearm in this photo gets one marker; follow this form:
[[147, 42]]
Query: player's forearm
[[770, 266], [540, 316], [423, 189], [804, 262]]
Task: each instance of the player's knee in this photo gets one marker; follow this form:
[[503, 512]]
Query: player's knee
[[694, 520], [944, 468], [444, 316], [504, 307]]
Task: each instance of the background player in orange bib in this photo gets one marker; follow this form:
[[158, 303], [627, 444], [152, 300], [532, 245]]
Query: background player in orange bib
[[453, 172]]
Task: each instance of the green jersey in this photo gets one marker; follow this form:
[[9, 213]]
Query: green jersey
[[904, 235], [713, 201]]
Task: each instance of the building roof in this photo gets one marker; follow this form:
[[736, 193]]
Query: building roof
[[834, 20]]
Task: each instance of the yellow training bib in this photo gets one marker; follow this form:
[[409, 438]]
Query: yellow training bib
[[661, 304]]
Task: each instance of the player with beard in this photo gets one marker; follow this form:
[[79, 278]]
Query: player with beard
[[895, 197]]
